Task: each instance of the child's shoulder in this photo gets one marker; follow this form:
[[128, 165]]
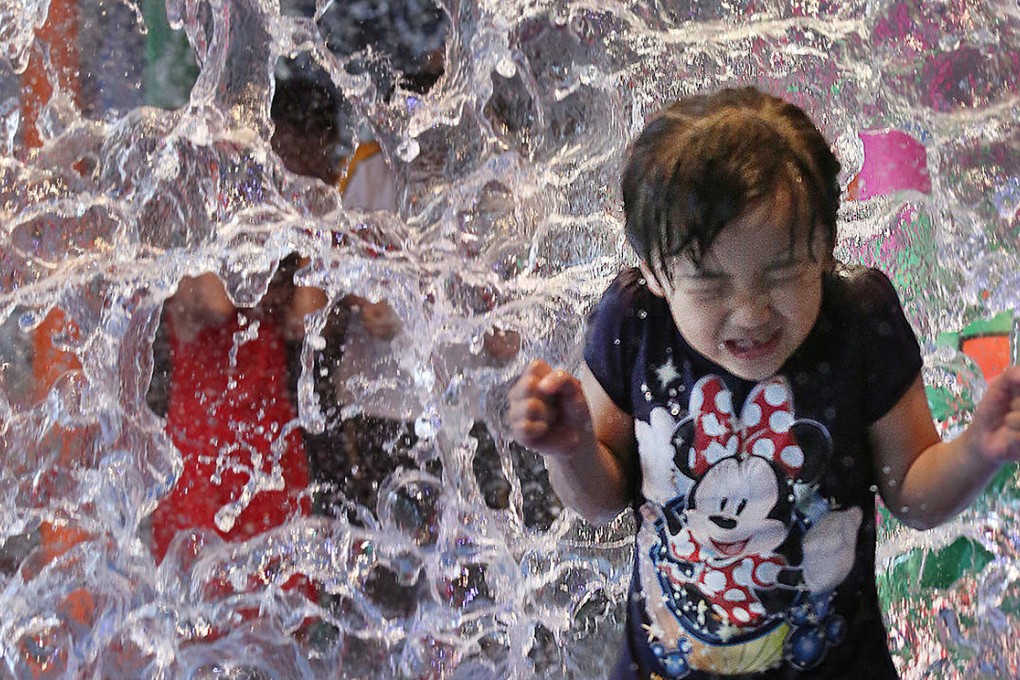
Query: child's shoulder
[[859, 291], [629, 298], [628, 308], [628, 287]]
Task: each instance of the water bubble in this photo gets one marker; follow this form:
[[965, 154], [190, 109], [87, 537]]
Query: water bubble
[[28, 321], [230, 672], [413, 504], [428, 424], [408, 150], [506, 67], [42, 651]]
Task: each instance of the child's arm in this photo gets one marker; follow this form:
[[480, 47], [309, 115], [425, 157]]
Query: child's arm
[[925, 481], [587, 441]]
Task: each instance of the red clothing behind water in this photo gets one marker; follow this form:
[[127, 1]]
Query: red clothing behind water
[[219, 414]]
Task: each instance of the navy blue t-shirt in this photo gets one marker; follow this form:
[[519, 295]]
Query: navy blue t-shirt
[[755, 502]]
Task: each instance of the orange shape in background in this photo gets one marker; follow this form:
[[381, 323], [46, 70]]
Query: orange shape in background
[[989, 352], [49, 362], [60, 37]]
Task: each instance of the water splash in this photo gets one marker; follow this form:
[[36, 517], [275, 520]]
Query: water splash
[[508, 172]]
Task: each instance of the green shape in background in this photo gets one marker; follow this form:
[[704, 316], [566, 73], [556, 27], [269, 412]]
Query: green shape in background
[[170, 67], [1000, 324], [921, 569], [944, 404]]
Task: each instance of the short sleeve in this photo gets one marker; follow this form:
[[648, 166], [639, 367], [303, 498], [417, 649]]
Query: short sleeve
[[892, 356], [612, 340]]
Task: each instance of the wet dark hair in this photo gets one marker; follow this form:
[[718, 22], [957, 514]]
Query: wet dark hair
[[708, 159]]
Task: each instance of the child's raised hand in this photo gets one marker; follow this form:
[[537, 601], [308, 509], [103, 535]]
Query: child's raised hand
[[995, 430], [548, 411]]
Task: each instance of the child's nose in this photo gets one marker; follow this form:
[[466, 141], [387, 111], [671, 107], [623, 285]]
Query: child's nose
[[751, 308]]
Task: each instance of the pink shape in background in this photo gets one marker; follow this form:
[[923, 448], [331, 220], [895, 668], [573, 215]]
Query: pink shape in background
[[893, 161]]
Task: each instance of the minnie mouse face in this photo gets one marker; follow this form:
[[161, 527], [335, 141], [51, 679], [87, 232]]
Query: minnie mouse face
[[729, 510], [742, 467]]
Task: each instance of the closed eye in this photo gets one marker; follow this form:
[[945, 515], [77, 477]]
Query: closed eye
[[706, 284], [785, 273]]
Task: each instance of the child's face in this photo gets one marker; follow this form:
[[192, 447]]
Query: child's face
[[753, 299]]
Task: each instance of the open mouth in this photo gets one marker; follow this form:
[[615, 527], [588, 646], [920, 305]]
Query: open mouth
[[730, 549], [747, 349]]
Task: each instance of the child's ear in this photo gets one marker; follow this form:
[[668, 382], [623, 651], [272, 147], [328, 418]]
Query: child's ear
[[651, 281]]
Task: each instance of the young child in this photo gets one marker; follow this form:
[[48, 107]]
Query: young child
[[747, 396]]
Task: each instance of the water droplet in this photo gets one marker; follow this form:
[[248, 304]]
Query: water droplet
[[28, 321], [506, 67], [427, 426], [408, 150]]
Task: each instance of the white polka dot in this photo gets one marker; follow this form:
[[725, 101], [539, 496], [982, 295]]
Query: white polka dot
[[711, 426], [740, 616], [764, 448], [775, 394], [724, 402], [715, 452], [697, 399], [714, 582], [742, 574], [792, 456], [780, 421], [766, 573], [681, 546], [751, 415], [757, 608], [735, 595]]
